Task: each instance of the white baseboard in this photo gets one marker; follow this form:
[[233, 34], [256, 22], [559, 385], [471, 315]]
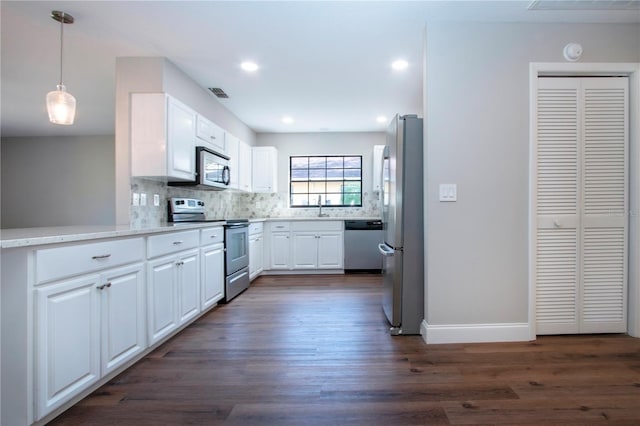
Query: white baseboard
[[303, 272], [474, 333]]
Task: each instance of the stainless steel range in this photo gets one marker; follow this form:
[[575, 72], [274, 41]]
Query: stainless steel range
[[236, 255], [236, 242]]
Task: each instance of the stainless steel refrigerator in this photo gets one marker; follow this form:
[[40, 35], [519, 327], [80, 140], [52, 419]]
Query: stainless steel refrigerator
[[402, 207]]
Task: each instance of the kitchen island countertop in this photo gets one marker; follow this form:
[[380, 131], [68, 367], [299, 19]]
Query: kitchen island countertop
[[25, 237]]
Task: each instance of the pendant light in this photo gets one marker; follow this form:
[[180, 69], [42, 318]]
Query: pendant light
[[61, 105]]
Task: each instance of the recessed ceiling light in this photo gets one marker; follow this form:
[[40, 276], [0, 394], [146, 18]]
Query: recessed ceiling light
[[381, 119], [287, 120], [400, 64], [249, 66]]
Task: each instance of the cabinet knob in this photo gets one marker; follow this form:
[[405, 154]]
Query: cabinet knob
[[179, 263], [177, 243], [108, 285], [213, 236], [212, 137]]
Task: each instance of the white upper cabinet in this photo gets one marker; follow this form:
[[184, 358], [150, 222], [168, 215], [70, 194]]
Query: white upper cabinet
[[163, 134], [210, 135], [233, 150], [239, 163], [244, 178], [264, 169]]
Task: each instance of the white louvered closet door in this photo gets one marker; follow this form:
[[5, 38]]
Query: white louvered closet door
[[580, 205]]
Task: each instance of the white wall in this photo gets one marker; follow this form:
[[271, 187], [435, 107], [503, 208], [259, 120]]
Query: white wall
[[477, 136], [344, 143], [156, 74], [56, 181]]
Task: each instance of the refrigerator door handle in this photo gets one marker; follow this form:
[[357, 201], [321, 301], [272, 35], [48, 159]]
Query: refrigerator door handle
[[385, 250]]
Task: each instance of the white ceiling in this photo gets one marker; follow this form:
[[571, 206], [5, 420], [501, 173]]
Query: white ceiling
[[326, 64]]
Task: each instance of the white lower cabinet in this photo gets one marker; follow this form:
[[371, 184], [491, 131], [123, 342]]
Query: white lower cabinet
[[85, 327], [173, 293], [212, 275], [280, 249], [317, 250], [256, 249]]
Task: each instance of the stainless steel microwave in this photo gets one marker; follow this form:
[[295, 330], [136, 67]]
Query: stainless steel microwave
[[212, 171]]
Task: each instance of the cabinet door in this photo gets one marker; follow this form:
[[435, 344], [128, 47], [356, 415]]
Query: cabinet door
[[330, 246], [305, 250], [162, 298], [212, 283], [189, 285], [181, 134], [255, 255], [209, 135], [233, 150], [67, 340], [245, 167], [280, 250], [123, 315], [264, 169]]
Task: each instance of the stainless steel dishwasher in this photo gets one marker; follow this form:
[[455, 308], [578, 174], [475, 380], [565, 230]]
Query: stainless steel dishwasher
[[361, 239]]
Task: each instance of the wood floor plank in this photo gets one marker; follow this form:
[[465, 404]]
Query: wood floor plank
[[315, 350]]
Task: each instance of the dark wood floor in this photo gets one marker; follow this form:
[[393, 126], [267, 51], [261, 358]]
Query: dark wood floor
[[315, 350]]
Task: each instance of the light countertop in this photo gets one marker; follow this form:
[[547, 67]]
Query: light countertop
[[24, 237]]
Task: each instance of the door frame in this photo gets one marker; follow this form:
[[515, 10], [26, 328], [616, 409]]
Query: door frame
[[561, 69]]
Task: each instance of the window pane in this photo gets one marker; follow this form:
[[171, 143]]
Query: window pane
[[317, 162], [352, 186], [352, 173], [334, 187], [299, 162], [352, 162], [317, 187], [333, 200], [299, 187], [334, 174], [352, 200], [299, 200], [317, 174], [334, 162], [300, 174]]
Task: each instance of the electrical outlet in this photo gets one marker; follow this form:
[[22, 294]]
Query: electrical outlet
[[156, 200], [143, 199], [136, 199]]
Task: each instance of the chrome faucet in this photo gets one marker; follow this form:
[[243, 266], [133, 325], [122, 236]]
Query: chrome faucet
[[320, 207]]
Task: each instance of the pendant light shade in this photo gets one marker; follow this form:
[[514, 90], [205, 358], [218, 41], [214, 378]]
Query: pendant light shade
[[61, 105]]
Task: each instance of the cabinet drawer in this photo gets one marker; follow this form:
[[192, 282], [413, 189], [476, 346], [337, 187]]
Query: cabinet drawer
[[280, 226], [159, 245], [59, 262], [255, 228], [212, 235], [320, 225]]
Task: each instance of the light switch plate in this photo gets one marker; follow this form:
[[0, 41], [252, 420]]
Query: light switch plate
[[143, 199], [135, 199], [448, 192], [156, 200]]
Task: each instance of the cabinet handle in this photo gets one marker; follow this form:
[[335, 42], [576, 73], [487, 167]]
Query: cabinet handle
[[213, 236], [102, 287], [212, 137], [177, 243], [101, 256]]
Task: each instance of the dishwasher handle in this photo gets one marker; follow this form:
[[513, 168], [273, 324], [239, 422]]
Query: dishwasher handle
[[385, 250]]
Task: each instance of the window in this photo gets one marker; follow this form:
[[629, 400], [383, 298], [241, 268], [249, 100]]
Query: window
[[336, 179]]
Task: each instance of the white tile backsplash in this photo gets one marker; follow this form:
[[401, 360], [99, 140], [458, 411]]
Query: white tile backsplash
[[230, 204]]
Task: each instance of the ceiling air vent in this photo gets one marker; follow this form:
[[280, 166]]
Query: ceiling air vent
[[218, 92]]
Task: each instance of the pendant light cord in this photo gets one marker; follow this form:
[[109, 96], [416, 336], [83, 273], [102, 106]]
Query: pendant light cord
[[61, 43]]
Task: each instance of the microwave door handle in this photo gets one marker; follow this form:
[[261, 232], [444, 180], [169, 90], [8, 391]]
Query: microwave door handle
[[226, 175]]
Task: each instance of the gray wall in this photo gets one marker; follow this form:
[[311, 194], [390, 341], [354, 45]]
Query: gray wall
[[57, 181], [477, 136], [344, 143]]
